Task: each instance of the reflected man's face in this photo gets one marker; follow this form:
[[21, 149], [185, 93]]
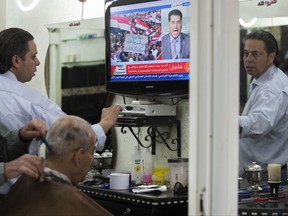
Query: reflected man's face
[[25, 68], [256, 59]]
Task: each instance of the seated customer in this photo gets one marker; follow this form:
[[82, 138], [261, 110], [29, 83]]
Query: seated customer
[[13, 148], [72, 142]]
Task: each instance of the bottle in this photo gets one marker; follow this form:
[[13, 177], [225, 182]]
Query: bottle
[[160, 172], [136, 171], [147, 160]]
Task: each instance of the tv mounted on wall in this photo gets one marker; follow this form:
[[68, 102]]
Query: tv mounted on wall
[[134, 29]]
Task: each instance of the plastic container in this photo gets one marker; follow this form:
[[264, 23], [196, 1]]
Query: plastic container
[[147, 160], [178, 171], [119, 181], [136, 170], [160, 172]]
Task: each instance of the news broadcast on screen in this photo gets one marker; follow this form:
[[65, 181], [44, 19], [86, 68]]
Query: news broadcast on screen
[[136, 32]]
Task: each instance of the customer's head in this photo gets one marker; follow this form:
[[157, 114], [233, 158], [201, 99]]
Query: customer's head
[[175, 22], [73, 143], [18, 53], [260, 52]]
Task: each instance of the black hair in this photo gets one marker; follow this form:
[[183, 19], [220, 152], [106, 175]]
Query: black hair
[[270, 43], [13, 41], [174, 12]]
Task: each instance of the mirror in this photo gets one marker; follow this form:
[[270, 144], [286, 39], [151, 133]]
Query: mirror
[[268, 15], [75, 69], [77, 44]]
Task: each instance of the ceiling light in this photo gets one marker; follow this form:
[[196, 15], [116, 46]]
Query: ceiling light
[[29, 7], [247, 24]]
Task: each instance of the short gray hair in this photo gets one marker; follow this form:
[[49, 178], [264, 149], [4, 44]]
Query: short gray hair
[[68, 133]]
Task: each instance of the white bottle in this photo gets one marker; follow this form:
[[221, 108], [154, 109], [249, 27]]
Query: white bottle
[[147, 165], [136, 171]]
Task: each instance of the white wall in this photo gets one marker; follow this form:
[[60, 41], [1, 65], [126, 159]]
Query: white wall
[[2, 14], [126, 142]]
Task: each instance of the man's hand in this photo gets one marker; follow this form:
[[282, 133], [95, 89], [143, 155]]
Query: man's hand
[[109, 116], [26, 164], [33, 129]]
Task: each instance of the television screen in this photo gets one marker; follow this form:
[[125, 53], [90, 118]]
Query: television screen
[[148, 47]]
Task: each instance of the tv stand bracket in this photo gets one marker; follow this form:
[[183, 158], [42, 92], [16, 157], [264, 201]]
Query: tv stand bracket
[[153, 134]]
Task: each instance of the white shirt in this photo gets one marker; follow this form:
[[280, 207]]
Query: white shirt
[[19, 104], [264, 121]]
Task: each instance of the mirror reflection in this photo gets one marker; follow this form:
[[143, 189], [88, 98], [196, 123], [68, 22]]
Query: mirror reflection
[[267, 15], [265, 112], [74, 72]]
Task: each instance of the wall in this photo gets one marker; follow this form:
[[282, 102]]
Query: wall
[[2, 14], [126, 142]]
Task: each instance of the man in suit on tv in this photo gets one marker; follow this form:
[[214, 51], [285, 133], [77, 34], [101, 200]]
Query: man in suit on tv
[[176, 44]]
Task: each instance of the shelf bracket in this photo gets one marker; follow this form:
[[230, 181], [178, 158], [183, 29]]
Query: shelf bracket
[[153, 133]]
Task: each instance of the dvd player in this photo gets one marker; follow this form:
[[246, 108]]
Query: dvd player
[[145, 120], [148, 110]]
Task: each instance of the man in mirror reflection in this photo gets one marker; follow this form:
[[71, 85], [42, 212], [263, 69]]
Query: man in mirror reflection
[[175, 44], [264, 120], [20, 103]]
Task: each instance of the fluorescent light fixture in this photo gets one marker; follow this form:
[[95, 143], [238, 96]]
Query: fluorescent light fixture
[[247, 24], [29, 7]]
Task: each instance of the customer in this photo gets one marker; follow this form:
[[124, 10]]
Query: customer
[[18, 102], [264, 120], [72, 141], [175, 45], [13, 146]]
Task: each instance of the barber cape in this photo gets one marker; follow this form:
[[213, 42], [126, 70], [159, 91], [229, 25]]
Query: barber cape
[[54, 196]]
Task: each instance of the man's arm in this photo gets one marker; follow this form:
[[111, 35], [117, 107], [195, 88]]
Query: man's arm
[[13, 144], [108, 118], [26, 164]]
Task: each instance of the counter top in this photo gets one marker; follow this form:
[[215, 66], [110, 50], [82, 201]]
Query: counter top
[[266, 206], [165, 198], [169, 199]]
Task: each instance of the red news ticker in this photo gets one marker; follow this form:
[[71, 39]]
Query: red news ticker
[[158, 68]]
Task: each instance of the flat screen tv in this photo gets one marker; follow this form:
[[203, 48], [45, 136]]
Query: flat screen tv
[[147, 48]]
